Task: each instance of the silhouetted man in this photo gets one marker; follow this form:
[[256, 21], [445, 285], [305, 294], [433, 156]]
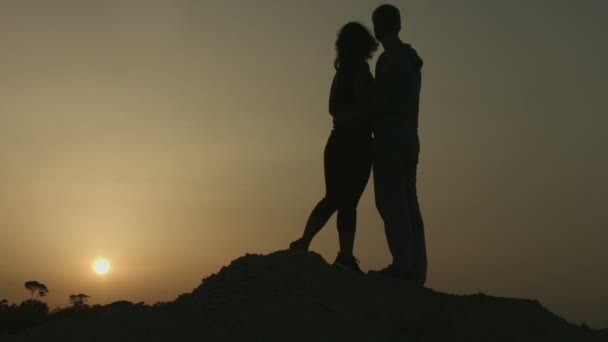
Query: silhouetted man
[[398, 81]]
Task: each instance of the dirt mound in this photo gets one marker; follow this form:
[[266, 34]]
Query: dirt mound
[[297, 296]]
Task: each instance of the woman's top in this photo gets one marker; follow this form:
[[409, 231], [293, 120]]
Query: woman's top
[[350, 97]]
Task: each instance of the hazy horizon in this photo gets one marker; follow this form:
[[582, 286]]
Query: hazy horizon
[[176, 136]]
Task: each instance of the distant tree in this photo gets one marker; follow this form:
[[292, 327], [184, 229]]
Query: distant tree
[[56, 310], [34, 307], [79, 301], [14, 318], [6, 316], [32, 312], [36, 288]]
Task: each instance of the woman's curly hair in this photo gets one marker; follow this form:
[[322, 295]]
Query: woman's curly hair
[[354, 44]]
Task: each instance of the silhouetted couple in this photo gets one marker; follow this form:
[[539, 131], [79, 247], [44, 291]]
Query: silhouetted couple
[[386, 108]]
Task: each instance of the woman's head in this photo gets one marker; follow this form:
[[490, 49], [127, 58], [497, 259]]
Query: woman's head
[[354, 44]]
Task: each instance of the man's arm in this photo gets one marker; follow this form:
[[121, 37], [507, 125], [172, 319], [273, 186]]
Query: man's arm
[[383, 86]]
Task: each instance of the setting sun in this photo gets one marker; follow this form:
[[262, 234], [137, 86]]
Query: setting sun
[[101, 266]]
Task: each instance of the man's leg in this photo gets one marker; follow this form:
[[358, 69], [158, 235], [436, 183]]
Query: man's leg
[[418, 240], [390, 185]]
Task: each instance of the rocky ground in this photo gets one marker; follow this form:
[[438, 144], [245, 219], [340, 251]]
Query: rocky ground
[[297, 296]]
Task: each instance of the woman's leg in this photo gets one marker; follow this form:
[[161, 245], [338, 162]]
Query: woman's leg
[[355, 181], [347, 226], [316, 221], [328, 205], [347, 223]]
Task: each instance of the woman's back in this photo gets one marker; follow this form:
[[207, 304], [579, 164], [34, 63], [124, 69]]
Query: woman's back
[[349, 97]]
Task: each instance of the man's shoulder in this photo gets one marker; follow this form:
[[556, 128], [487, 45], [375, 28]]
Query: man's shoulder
[[386, 54], [388, 58], [362, 66]]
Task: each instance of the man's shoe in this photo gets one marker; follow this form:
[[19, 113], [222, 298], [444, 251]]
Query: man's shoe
[[395, 272], [349, 263], [389, 271]]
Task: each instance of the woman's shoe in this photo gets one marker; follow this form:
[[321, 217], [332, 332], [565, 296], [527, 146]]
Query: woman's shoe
[[349, 263], [298, 245]]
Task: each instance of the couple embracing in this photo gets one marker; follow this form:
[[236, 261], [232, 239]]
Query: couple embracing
[[375, 122]]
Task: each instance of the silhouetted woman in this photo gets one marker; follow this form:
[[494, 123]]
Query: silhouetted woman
[[348, 153]]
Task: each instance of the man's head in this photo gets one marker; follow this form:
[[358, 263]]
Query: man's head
[[387, 22]]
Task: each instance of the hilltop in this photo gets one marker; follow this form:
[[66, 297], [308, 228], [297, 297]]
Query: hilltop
[[297, 296]]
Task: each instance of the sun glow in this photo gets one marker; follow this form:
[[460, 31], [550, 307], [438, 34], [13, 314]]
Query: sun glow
[[101, 266]]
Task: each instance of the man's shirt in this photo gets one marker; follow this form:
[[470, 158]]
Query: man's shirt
[[397, 86]]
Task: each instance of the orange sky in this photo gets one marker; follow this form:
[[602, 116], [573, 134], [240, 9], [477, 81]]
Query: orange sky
[[175, 136]]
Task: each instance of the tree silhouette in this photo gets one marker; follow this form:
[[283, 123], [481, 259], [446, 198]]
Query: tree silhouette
[[79, 301], [36, 288], [32, 312]]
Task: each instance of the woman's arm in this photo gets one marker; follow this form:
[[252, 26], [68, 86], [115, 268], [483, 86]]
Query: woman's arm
[[363, 85], [332, 96]]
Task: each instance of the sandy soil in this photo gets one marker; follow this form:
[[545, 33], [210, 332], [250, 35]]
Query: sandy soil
[[297, 296]]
